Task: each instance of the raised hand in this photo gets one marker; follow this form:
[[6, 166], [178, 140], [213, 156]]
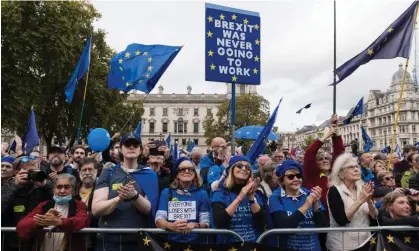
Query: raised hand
[[21, 177]]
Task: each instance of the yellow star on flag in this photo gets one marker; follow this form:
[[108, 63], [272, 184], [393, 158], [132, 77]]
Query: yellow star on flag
[[222, 17], [234, 17], [146, 241], [234, 78], [123, 78], [167, 245], [137, 53], [150, 68], [257, 41], [211, 249], [150, 59], [127, 84], [370, 52], [390, 30], [209, 34], [145, 53], [245, 21], [188, 249], [256, 59], [140, 81], [122, 69], [373, 240], [255, 71], [407, 239], [210, 53], [385, 39], [233, 249], [210, 19], [127, 54], [147, 75], [120, 60], [256, 27], [322, 174], [390, 239], [212, 66]]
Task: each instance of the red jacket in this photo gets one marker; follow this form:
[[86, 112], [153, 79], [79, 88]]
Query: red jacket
[[76, 220], [312, 172]]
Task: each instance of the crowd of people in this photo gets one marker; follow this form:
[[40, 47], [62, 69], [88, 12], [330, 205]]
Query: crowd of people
[[216, 189]]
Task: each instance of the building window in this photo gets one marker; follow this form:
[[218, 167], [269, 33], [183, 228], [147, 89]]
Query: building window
[[152, 111], [242, 89], [196, 112], [165, 111], [185, 127], [414, 140], [175, 129], [165, 127], [180, 127], [183, 142], [151, 127], [413, 130], [196, 141], [402, 129], [180, 112], [381, 143], [209, 113], [196, 127], [403, 116]]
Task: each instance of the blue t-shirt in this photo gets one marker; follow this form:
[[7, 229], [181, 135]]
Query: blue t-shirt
[[279, 201], [215, 173], [242, 220], [192, 205]]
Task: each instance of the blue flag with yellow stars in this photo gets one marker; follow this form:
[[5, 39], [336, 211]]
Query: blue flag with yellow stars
[[391, 241], [305, 107], [81, 68], [358, 110], [395, 42], [140, 67], [367, 140]]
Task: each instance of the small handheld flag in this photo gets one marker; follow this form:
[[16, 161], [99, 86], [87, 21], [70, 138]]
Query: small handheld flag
[[367, 140], [394, 42], [31, 137], [81, 68], [140, 67], [358, 110], [305, 107]]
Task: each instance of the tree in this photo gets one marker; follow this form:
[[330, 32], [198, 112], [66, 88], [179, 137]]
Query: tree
[[41, 44], [307, 142], [251, 109]]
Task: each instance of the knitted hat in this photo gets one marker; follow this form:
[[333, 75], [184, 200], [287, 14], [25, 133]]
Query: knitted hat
[[288, 165], [177, 164], [8, 159], [234, 159]]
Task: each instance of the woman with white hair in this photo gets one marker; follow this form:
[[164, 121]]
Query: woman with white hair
[[350, 204]]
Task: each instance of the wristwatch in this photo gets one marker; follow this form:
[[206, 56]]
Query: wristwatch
[[135, 197]]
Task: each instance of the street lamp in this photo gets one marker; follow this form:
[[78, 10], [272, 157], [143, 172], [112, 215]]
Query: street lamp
[[161, 136]]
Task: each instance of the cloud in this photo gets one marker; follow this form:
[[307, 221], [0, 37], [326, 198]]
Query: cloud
[[296, 42]]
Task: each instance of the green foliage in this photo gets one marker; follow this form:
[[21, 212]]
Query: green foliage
[[41, 44], [251, 109], [307, 142]]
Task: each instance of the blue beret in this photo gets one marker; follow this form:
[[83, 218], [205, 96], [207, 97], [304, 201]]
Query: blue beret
[[288, 165], [234, 159], [177, 164], [8, 159]]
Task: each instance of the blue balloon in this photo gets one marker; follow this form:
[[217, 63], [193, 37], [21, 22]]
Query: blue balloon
[[99, 139]]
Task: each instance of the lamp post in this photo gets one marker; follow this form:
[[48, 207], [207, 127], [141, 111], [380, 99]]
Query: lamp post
[[161, 136]]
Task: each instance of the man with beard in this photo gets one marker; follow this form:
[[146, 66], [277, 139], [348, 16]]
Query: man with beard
[[78, 154], [56, 159], [366, 173]]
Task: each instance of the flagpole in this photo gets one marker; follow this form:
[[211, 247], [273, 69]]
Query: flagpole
[[334, 57], [233, 118], [129, 119], [396, 121], [82, 108]]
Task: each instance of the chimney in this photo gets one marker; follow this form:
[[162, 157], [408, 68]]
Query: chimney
[[189, 88], [160, 89]]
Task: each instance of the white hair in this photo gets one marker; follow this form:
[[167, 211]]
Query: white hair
[[197, 150], [335, 177]]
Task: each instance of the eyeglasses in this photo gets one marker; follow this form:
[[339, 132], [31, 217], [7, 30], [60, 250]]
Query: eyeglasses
[[389, 178], [66, 187], [184, 169], [245, 165], [292, 176], [27, 158]]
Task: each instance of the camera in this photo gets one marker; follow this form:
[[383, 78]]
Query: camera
[[37, 176], [407, 192], [155, 146]]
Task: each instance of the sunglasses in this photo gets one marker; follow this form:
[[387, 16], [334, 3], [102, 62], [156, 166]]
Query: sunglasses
[[27, 159], [241, 165], [129, 144], [292, 176], [389, 178], [66, 187], [184, 169]]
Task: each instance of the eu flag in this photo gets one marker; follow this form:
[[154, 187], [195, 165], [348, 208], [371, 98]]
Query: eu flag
[[140, 66], [81, 68], [367, 140], [168, 140], [191, 146], [358, 110], [394, 42], [137, 131], [260, 143], [305, 107], [31, 137], [386, 150]]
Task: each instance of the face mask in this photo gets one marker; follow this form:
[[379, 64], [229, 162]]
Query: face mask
[[62, 200]]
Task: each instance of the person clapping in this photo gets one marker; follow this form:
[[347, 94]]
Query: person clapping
[[400, 208]]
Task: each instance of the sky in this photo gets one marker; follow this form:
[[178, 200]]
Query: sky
[[296, 48]]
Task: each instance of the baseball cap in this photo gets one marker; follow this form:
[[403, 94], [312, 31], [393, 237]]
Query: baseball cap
[[57, 147], [130, 136]]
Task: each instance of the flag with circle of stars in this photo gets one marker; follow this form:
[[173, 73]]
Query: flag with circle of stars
[[158, 243], [394, 42], [391, 241], [140, 67]]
